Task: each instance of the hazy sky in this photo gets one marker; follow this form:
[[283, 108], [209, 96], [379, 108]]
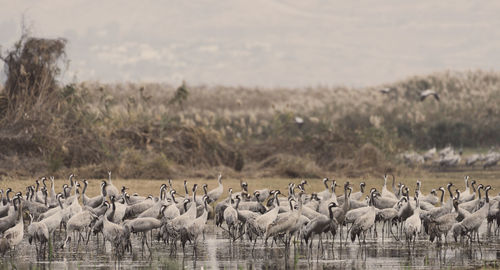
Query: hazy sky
[[263, 42]]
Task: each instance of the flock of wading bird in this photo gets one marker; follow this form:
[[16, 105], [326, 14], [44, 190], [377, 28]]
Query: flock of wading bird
[[43, 215]]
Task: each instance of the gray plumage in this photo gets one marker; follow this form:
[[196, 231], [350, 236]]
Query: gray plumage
[[37, 234], [284, 224], [320, 225], [94, 201], [111, 190], [54, 221], [214, 194], [14, 235], [10, 220], [365, 221], [472, 223], [384, 202], [78, 223], [412, 225], [134, 210], [325, 194], [358, 195], [230, 215]]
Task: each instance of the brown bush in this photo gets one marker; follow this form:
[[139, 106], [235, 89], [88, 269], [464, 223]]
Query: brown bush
[[289, 166]]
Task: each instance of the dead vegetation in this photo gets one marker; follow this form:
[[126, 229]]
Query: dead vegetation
[[158, 131]]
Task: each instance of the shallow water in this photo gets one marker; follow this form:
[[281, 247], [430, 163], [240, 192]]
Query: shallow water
[[217, 252]]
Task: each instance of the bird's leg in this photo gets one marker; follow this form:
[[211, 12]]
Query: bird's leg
[[80, 237], [88, 237], [347, 235], [147, 244], [340, 234], [142, 245]]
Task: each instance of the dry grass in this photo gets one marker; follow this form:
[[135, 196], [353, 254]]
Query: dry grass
[[134, 130]]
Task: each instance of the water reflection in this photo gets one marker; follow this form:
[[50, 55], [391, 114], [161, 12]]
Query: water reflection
[[217, 252]]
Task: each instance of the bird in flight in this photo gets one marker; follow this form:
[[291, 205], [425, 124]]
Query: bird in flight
[[386, 90], [429, 92]]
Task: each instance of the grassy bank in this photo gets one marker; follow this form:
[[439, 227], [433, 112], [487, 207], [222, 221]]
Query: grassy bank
[[147, 186], [156, 131]]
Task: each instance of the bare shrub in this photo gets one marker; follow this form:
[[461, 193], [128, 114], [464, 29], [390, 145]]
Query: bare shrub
[[290, 166]]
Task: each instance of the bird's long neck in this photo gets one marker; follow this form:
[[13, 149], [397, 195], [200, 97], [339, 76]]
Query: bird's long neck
[[60, 203], [393, 183], [14, 202], [479, 193], [330, 212], [299, 212], [206, 206], [113, 207], [112, 213], [237, 203], [7, 195], [416, 211], [442, 196], [65, 192], [52, 186], [103, 190], [455, 206], [291, 205], [347, 204], [162, 192], [20, 213], [84, 187]]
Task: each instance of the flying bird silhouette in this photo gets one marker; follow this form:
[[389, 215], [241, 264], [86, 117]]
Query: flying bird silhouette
[[429, 92], [386, 90]]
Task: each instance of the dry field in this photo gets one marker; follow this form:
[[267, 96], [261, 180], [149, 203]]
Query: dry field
[[146, 187]]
